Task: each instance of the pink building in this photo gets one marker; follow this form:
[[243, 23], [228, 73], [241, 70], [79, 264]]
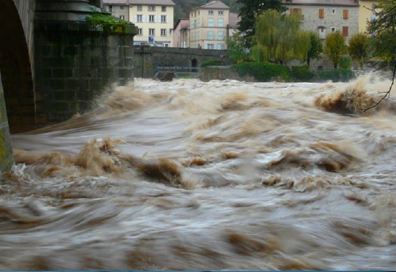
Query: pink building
[[181, 33]]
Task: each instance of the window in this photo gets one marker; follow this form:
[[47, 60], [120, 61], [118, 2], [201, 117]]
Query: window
[[346, 14], [333, 29], [334, 11], [139, 8], [163, 18], [345, 31], [140, 32], [110, 8], [122, 17], [199, 23], [151, 18], [152, 32], [220, 23], [122, 7], [151, 8], [210, 12], [163, 8], [321, 13], [210, 22], [210, 46], [221, 12], [170, 31], [139, 18], [163, 32], [296, 11], [219, 46], [220, 35], [210, 35]]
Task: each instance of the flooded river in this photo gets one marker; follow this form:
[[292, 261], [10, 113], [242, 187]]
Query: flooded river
[[224, 175]]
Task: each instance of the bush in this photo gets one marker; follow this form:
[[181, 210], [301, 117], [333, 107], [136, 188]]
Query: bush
[[302, 73], [212, 63], [337, 75], [263, 71], [345, 63]]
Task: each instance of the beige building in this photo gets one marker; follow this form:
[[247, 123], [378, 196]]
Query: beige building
[[153, 18], [209, 26], [118, 8], [365, 13]]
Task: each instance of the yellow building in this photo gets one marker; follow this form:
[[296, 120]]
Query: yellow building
[[365, 13], [209, 26], [153, 18]]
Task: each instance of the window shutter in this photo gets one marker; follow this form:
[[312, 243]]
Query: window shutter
[[167, 18], [291, 12], [321, 13], [135, 18], [346, 14], [345, 31]]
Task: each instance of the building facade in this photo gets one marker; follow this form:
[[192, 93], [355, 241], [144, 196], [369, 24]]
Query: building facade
[[366, 14], [118, 8], [327, 16], [208, 26], [181, 34], [153, 18]]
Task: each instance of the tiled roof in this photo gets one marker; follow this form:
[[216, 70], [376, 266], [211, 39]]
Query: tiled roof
[[322, 2], [116, 2], [140, 2], [184, 23], [215, 5]]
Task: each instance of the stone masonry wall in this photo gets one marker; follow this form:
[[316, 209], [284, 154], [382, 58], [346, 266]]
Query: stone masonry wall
[[74, 62], [6, 159], [333, 18], [148, 58]]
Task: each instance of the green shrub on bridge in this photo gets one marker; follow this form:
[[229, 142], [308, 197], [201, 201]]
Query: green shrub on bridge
[[212, 63], [263, 71], [302, 73]]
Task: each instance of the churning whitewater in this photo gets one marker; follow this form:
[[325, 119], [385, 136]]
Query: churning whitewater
[[224, 175]]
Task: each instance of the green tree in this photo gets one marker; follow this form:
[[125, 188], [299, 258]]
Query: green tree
[[236, 48], [383, 30], [334, 47], [383, 38], [248, 12], [316, 47], [279, 38], [359, 48]]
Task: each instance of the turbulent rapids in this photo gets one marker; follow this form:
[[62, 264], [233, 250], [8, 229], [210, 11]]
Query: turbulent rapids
[[224, 175]]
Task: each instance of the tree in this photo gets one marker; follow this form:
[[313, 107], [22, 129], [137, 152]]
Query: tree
[[249, 11], [236, 48], [334, 47], [359, 48], [383, 32], [279, 38], [316, 47]]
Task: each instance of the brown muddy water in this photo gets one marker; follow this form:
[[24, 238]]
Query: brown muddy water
[[223, 175]]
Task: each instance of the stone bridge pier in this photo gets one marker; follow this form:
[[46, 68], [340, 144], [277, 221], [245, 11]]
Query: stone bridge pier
[[53, 63]]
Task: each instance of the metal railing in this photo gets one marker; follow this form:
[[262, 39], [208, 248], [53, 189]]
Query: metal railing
[[178, 70]]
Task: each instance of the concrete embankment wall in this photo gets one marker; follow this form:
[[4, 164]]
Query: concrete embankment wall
[[6, 159], [147, 59]]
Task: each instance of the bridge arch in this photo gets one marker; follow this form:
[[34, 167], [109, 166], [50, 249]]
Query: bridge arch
[[16, 69]]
